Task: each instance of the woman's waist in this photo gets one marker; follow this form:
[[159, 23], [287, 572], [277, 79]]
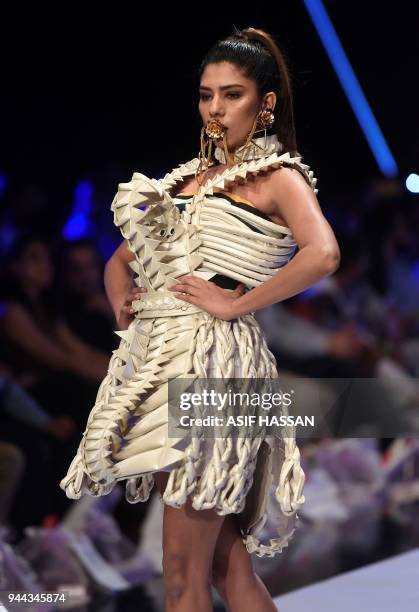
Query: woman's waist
[[164, 303]]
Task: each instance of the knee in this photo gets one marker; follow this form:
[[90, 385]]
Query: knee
[[174, 574], [181, 575]]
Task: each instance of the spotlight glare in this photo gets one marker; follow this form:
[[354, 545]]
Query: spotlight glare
[[412, 183]]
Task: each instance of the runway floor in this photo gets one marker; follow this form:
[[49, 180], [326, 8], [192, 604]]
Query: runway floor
[[385, 586]]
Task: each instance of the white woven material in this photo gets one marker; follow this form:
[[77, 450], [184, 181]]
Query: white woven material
[[126, 432]]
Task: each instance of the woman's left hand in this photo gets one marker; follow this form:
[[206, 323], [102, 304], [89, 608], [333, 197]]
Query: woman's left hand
[[207, 295]]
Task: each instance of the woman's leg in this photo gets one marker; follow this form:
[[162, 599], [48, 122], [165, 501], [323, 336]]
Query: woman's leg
[[233, 576], [189, 539]]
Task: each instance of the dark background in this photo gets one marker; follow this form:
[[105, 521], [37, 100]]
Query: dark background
[[98, 96]]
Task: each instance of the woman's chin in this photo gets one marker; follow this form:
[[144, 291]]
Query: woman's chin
[[220, 144]]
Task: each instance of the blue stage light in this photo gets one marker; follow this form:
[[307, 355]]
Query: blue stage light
[[351, 87], [78, 224]]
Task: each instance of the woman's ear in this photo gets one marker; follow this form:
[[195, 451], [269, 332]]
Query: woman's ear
[[269, 100]]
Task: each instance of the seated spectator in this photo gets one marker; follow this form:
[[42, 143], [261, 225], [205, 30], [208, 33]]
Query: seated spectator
[[12, 465], [59, 369], [45, 443], [83, 301]]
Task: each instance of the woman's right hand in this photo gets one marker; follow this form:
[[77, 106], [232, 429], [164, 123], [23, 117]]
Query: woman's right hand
[[126, 314]]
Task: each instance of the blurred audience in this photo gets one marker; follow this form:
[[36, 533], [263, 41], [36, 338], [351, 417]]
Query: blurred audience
[[82, 299], [57, 335], [45, 444], [59, 369]]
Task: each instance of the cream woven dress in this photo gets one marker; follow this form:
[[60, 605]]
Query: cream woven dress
[[212, 235]]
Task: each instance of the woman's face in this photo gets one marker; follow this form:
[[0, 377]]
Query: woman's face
[[34, 267], [232, 98], [83, 270]]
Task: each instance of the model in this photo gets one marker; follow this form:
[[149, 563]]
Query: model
[[209, 244]]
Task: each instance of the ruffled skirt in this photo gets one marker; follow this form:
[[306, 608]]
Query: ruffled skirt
[[126, 437]]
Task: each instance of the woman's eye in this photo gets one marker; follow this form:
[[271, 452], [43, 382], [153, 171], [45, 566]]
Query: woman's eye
[[205, 97]]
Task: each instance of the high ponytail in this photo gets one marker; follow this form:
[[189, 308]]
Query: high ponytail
[[257, 53]]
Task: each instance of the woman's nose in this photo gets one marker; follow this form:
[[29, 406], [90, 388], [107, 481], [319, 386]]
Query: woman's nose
[[215, 106]]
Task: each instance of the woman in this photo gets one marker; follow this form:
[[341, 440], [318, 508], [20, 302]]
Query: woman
[[55, 368], [235, 218], [42, 353], [82, 297]]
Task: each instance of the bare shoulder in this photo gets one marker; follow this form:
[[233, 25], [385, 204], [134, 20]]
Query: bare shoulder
[[285, 179], [293, 198], [287, 188]]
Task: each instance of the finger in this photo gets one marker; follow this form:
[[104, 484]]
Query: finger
[[188, 289], [193, 281], [138, 290], [127, 309], [136, 293], [239, 290], [136, 296], [178, 287], [188, 298]]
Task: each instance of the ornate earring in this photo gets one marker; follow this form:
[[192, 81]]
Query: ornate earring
[[204, 155], [263, 120], [266, 119], [214, 130]]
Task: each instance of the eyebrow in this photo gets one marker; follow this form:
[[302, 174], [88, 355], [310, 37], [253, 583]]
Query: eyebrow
[[224, 86]]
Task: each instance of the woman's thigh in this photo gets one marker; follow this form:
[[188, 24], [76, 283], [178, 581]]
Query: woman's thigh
[[189, 538]]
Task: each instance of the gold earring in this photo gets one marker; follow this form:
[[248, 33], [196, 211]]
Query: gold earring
[[263, 120], [214, 130], [266, 118]]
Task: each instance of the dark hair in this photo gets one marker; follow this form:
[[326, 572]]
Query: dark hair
[[256, 52], [69, 246], [45, 311]]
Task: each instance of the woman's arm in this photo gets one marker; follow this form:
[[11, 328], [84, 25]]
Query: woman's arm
[[98, 359], [19, 326], [318, 254], [118, 279]]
